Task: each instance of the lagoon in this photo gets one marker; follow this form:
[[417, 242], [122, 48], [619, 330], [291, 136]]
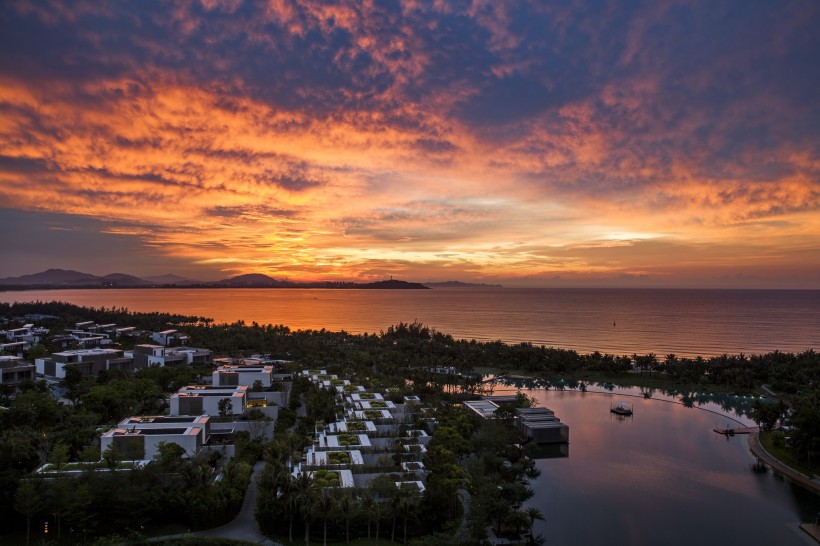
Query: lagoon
[[660, 477]]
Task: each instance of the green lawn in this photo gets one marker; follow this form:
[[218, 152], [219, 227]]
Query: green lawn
[[785, 455]]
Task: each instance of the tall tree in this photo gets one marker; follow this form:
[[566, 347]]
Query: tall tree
[[28, 502]]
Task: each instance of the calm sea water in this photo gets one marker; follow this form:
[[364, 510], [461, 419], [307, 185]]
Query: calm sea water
[[660, 477], [618, 321]]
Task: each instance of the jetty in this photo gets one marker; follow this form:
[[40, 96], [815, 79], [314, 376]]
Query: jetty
[[738, 430]]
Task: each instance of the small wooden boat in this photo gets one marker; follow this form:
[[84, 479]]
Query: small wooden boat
[[621, 408]]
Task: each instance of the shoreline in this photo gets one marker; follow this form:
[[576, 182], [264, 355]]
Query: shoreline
[[779, 467]]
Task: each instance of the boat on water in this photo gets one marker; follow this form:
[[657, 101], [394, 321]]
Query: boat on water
[[621, 408]]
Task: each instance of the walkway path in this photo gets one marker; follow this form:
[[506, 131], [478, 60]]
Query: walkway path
[[812, 484], [462, 535], [244, 526]]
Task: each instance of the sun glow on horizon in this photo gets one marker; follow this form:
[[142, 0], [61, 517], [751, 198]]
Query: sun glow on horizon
[[429, 142]]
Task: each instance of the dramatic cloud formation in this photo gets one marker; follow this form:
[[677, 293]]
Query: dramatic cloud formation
[[584, 142]]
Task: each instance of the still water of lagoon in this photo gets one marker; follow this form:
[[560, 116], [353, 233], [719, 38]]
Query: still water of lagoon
[[660, 477]]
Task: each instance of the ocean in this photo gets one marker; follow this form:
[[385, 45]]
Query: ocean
[[686, 322]]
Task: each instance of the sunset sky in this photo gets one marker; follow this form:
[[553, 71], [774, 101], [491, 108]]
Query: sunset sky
[[548, 143]]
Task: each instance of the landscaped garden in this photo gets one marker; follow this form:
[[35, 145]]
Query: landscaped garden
[[378, 404], [367, 396], [338, 457], [348, 439], [326, 478], [372, 414], [358, 426]]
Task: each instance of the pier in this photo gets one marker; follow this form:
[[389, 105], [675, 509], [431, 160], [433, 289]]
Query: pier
[[739, 430]]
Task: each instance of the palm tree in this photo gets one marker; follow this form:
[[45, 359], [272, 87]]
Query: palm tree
[[306, 495], [287, 484], [395, 507], [28, 502], [533, 515], [367, 507], [378, 513], [408, 505], [346, 507], [325, 502], [518, 519]]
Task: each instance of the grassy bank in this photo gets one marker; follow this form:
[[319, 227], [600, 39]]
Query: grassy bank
[[774, 443], [632, 379]]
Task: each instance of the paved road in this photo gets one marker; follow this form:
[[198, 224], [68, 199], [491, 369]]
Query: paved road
[[461, 536], [244, 526]]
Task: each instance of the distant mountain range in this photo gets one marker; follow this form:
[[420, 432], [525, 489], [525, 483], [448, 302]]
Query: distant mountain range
[[66, 278]]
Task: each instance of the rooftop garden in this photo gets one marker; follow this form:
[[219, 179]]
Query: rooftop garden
[[348, 440], [337, 381], [351, 388], [378, 404], [326, 478], [357, 426], [338, 457], [367, 396], [372, 414]]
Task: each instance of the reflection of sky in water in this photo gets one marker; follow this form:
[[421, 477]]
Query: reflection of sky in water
[[735, 408], [660, 477]]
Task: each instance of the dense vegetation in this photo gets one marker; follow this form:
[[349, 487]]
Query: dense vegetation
[[463, 454]]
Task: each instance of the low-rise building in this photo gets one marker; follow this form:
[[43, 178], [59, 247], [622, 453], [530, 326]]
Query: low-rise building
[[14, 348], [159, 422], [143, 443], [200, 399], [169, 337], [243, 374], [158, 355], [89, 361], [13, 370]]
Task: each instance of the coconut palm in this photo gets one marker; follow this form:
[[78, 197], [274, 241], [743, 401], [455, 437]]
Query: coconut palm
[[325, 502], [367, 508], [346, 506], [306, 494], [378, 514], [533, 515]]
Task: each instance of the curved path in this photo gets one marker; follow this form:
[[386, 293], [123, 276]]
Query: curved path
[[812, 484], [462, 535], [244, 526]]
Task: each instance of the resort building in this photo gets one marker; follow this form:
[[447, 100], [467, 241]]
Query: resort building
[[343, 442], [161, 422], [243, 374], [89, 361], [167, 338], [541, 425], [334, 459], [157, 355], [142, 443], [13, 370], [14, 348], [537, 424], [199, 399]]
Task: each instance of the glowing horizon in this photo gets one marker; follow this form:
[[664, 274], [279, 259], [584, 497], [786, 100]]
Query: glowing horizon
[[528, 145]]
